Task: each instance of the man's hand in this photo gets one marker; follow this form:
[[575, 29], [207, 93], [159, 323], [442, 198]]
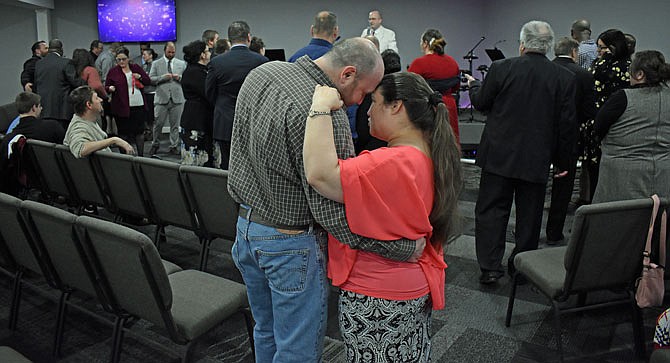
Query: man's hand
[[28, 87], [418, 250], [124, 145]]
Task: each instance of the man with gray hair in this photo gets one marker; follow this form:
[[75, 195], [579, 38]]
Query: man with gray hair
[[531, 123], [324, 33], [588, 50], [280, 245]]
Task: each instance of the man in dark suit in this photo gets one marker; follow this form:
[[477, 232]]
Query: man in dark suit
[[566, 51], [55, 78], [224, 80], [531, 120], [39, 50]]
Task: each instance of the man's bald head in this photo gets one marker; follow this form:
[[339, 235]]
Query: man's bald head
[[581, 30]]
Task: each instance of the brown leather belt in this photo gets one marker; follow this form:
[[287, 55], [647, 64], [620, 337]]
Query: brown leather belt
[[256, 218]]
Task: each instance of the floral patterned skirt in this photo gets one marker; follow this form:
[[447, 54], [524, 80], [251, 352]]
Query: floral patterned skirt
[[199, 149], [378, 330]]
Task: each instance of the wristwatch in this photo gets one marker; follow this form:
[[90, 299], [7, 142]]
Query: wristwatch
[[314, 113]]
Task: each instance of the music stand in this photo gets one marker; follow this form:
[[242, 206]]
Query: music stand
[[275, 54], [494, 54]]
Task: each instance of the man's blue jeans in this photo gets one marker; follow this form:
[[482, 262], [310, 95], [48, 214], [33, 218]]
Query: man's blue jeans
[[285, 275]]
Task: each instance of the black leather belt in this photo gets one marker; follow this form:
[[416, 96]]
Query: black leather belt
[[256, 218]]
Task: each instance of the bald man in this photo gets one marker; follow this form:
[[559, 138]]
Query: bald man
[[169, 100], [385, 36]]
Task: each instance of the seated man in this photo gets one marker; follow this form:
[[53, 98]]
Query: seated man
[[83, 135], [30, 125]]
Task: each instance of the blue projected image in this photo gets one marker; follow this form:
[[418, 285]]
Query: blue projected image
[[137, 20]]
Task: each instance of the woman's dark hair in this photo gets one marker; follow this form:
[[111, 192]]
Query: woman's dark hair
[[122, 50], [429, 114], [152, 52], [256, 44], [193, 50], [652, 63], [616, 41], [391, 61], [81, 58], [435, 41]]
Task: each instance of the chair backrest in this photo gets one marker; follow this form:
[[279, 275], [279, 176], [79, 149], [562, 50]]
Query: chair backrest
[[606, 244], [207, 190], [130, 265], [162, 183], [49, 168], [123, 186], [82, 176], [15, 235], [53, 228]]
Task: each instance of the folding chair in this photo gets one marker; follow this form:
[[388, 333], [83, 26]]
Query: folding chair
[[207, 190], [604, 253], [187, 304]]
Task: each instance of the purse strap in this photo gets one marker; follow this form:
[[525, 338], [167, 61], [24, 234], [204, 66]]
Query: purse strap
[[650, 233], [662, 239]]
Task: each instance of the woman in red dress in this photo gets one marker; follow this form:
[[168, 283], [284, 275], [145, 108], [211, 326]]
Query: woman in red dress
[[441, 71]]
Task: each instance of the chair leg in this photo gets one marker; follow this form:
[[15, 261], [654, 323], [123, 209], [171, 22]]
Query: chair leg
[[248, 319], [557, 325], [638, 330], [60, 323], [510, 303], [204, 252], [16, 300], [190, 348], [117, 339]]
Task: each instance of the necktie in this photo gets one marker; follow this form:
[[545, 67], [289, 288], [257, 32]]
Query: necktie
[[170, 66], [372, 32]]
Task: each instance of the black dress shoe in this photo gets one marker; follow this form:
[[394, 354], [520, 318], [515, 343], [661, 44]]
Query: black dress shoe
[[490, 277]]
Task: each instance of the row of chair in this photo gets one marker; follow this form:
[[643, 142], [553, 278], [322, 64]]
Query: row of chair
[[604, 253], [190, 197], [118, 266]]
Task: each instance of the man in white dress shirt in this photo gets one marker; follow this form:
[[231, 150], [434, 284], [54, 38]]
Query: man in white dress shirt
[[385, 36]]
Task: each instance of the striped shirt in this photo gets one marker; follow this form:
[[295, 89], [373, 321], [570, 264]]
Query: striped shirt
[[266, 166]]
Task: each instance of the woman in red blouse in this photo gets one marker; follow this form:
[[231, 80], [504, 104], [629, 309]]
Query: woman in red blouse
[[407, 190], [437, 66]]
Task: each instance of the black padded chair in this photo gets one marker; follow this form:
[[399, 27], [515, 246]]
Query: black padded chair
[[52, 231], [162, 184], [186, 304], [604, 253], [207, 190], [83, 177], [9, 355], [119, 175], [49, 171], [23, 254], [69, 262]]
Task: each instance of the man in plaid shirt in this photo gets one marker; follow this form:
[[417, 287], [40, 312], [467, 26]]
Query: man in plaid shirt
[[280, 248]]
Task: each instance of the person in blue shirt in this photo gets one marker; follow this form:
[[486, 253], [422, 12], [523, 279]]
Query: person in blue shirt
[[324, 33]]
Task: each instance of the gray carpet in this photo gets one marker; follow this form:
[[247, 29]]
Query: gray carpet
[[469, 329]]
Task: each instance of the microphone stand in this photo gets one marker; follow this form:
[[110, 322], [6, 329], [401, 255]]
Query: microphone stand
[[470, 56]]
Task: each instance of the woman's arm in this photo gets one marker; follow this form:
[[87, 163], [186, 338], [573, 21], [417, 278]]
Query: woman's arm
[[322, 169], [610, 112]]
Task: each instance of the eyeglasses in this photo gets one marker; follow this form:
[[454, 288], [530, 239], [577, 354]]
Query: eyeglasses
[[603, 47], [121, 59]]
